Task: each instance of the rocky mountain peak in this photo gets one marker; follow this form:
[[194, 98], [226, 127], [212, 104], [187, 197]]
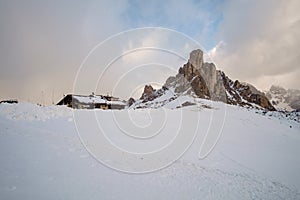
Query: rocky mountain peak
[[201, 79], [148, 92], [196, 58]]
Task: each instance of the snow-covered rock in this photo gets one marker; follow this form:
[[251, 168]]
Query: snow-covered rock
[[284, 100]]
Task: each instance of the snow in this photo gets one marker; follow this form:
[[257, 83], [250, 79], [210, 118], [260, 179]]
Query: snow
[[116, 103], [43, 157], [90, 99], [282, 99], [97, 99], [281, 104], [284, 106], [31, 112]]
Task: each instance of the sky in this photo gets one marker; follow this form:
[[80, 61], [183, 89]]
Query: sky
[[51, 48]]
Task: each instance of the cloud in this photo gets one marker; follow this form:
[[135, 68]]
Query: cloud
[[260, 42], [44, 42]]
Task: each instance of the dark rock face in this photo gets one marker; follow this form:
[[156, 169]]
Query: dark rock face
[[130, 101], [199, 87], [244, 95], [262, 101], [194, 80]]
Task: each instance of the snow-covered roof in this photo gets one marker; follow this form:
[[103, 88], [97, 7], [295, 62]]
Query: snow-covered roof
[[92, 99]]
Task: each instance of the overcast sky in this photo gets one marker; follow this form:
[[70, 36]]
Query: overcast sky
[[43, 44]]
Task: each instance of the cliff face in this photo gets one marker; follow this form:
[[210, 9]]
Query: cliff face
[[189, 81], [210, 74], [203, 80]]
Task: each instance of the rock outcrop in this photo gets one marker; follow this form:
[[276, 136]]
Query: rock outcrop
[[244, 94], [150, 93], [188, 81], [130, 101]]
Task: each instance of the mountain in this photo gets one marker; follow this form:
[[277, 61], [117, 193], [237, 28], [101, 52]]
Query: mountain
[[282, 99], [200, 79]]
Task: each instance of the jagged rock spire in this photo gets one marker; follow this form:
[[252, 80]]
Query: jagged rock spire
[[196, 58]]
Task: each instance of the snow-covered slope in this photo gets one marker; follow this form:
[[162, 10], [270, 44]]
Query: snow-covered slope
[[32, 112], [256, 156]]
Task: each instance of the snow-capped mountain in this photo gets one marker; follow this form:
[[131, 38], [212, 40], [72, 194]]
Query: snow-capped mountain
[[200, 79], [282, 99]]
